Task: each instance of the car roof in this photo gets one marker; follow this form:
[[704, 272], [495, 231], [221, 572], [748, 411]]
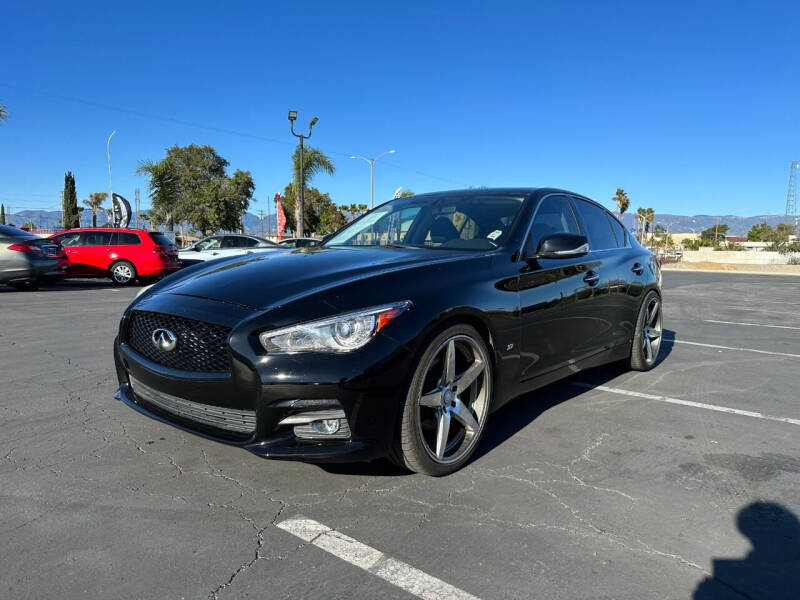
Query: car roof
[[537, 192], [117, 229], [8, 230]]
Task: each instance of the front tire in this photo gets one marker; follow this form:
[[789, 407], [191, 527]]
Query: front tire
[[648, 333], [447, 404], [122, 273], [26, 286]]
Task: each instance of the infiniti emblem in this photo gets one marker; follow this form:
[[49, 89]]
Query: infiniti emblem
[[164, 339]]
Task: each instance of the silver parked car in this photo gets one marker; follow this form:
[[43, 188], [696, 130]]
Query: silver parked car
[[27, 259], [222, 246]]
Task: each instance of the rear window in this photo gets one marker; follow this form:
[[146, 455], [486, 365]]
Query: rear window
[[159, 238], [619, 232]]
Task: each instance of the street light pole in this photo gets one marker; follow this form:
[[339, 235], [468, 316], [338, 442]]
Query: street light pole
[[371, 162], [301, 204]]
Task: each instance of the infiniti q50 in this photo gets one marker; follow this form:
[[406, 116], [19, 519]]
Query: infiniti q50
[[399, 335]]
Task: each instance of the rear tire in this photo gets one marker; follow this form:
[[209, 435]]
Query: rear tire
[[447, 404], [122, 273], [648, 333], [25, 286]]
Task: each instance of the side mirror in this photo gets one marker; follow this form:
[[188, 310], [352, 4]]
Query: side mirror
[[562, 245]]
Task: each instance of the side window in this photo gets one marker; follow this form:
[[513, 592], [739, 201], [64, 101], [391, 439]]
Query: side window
[[125, 239], [553, 215], [95, 238], [619, 231], [211, 243], [246, 242], [70, 239], [595, 222]]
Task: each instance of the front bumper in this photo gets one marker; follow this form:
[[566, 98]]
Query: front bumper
[[367, 388]]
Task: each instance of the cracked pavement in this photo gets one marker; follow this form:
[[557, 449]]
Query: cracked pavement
[[573, 493]]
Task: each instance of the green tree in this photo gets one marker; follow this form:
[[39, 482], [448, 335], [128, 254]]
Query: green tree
[[622, 201], [332, 219], [164, 185], [144, 217], [760, 232], [715, 234], [28, 225], [70, 215], [314, 162], [321, 214], [2, 214], [355, 210], [190, 184], [95, 202]]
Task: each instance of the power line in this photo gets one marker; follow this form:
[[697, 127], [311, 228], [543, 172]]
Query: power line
[[147, 115]]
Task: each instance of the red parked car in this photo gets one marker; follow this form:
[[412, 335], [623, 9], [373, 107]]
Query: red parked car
[[124, 255]]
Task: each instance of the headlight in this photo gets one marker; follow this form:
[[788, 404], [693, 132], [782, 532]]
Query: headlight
[[341, 333]]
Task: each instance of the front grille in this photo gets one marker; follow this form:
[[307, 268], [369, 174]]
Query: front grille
[[229, 419], [200, 347]]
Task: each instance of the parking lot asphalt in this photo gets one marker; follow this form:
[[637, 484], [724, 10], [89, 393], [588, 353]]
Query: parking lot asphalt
[[677, 483]]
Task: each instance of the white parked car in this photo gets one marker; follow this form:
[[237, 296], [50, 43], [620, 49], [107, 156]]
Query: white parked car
[[223, 245]]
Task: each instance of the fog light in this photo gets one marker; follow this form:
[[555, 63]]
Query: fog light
[[326, 426]]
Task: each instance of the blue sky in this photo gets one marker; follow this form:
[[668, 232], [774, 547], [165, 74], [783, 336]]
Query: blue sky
[[691, 107]]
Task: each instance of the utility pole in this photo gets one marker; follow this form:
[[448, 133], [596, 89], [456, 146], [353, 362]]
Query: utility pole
[[136, 208], [268, 223], [302, 212], [371, 162], [261, 219], [791, 194]]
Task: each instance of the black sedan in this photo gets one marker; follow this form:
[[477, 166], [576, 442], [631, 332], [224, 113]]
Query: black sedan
[[26, 259], [400, 334]]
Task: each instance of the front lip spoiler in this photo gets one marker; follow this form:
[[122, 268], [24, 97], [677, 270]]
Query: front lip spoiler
[[285, 447]]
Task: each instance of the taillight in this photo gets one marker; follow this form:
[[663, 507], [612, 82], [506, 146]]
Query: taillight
[[30, 248]]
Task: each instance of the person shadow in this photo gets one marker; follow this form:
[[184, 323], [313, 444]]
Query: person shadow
[[771, 569]]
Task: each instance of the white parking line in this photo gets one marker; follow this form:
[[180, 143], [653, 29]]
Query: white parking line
[[725, 409], [371, 560], [749, 324], [733, 348]]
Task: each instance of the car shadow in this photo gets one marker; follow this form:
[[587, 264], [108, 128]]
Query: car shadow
[[771, 569], [517, 414], [75, 285]]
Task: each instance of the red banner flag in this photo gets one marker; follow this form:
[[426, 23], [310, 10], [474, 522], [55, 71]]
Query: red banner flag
[[281, 216]]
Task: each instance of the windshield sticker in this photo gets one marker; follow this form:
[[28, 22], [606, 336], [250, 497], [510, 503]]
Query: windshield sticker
[[495, 234]]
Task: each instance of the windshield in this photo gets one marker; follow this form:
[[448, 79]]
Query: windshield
[[451, 221]]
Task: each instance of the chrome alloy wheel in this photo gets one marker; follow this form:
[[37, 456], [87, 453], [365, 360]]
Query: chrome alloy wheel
[[651, 331], [454, 409], [122, 273]]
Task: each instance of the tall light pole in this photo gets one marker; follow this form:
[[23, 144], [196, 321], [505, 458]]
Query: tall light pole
[[292, 116], [371, 162], [108, 157]]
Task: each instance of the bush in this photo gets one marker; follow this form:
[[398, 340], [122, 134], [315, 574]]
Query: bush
[[794, 260]]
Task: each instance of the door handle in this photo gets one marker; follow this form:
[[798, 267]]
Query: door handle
[[637, 268], [592, 278]]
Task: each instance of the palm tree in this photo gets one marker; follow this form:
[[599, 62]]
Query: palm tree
[[314, 162], [649, 217], [640, 218], [622, 201], [95, 201], [164, 187]]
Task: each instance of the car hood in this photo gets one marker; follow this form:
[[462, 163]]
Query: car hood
[[271, 279]]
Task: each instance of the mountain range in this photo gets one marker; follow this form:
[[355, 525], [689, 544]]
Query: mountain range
[[44, 219]]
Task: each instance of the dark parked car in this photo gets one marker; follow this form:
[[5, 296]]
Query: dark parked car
[[303, 242], [400, 334], [27, 259]]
